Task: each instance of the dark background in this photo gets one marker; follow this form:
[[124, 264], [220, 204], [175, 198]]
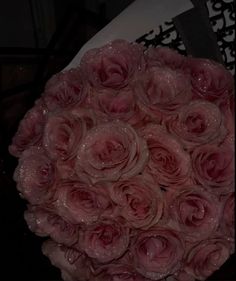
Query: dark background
[[37, 39]]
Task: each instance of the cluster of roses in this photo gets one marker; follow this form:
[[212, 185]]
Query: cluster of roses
[[127, 163]]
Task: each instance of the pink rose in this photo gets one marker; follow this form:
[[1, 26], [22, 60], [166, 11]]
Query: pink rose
[[30, 130], [198, 123], [65, 90], [74, 131], [105, 240], [73, 264], [161, 91], [80, 203], [62, 135], [169, 164], [206, 257], [157, 252], [46, 223], [163, 56], [113, 65], [213, 166], [194, 212], [227, 225], [210, 80], [111, 151], [35, 176], [119, 104], [139, 200]]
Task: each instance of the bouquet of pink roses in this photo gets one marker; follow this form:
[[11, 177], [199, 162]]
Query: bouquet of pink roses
[[127, 163]]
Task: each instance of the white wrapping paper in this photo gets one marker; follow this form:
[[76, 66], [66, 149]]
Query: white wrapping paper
[[137, 19]]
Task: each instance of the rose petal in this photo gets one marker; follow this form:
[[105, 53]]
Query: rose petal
[[113, 65], [111, 151], [169, 163], [105, 240], [35, 176], [139, 201], [206, 257], [198, 123], [158, 252]]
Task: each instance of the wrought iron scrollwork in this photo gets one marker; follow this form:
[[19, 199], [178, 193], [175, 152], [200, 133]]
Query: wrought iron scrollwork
[[222, 17]]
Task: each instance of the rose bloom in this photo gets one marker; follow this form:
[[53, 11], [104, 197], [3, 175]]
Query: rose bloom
[[62, 135], [74, 265], [113, 65], [157, 252], [111, 151], [65, 90], [198, 123], [35, 176], [105, 240], [30, 129], [161, 91], [206, 257], [139, 200], [213, 166], [194, 212], [118, 104], [46, 223], [169, 164], [163, 56], [79, 202], [210, 80]]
